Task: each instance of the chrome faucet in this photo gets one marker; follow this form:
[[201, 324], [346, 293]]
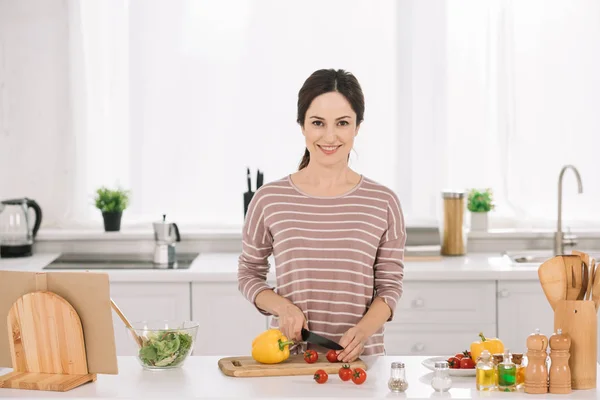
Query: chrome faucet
[[560, 239]]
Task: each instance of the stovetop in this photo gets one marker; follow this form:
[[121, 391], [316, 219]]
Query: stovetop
[[118, 261]]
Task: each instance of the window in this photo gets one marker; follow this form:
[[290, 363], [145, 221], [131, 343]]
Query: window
[[175, 99]]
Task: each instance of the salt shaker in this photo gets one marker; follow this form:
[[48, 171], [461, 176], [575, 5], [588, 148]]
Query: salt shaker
[[397, 382], [441, 381]]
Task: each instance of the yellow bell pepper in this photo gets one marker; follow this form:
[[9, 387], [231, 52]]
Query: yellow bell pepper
[[271, 347], [493, 345]]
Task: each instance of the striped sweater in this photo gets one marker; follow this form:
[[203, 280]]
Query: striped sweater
[[333, 255]]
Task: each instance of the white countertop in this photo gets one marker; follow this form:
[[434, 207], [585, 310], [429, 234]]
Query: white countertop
[[200, 377], [222, 267]]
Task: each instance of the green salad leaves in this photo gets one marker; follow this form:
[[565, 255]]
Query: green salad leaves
[[165, 348]]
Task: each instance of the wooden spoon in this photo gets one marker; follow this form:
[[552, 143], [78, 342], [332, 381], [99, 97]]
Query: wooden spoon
[[596, 288], [553, 277], [573, 271], [126, 322], [591, 267]]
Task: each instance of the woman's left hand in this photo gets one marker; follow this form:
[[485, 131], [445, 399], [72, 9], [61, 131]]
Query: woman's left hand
[[353, 343]]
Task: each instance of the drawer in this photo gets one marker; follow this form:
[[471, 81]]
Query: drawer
[[430, 302], [433, 341]]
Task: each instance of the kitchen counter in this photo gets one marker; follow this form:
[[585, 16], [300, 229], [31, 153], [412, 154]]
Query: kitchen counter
[[222, 267], [201, 378]]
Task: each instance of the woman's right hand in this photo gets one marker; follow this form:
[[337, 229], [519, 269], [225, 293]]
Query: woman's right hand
[[291, 322]]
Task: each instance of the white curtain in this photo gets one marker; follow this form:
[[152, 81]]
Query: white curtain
[[99, 91], [522, 95], [468, 94]]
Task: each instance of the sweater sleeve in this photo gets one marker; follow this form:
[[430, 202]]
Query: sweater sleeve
[[257, 246], [389, 262]]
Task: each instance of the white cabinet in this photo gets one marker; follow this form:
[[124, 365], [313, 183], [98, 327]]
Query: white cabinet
[[228, 322], [522, 308], [441, 317], [147, 301]]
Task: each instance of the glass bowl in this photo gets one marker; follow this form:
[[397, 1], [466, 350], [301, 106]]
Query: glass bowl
[[163, 344]]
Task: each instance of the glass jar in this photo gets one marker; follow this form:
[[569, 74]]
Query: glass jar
[[441, 381], [397, 382], [452, 223]]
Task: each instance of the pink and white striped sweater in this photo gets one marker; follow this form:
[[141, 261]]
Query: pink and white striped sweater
[[333, 255]]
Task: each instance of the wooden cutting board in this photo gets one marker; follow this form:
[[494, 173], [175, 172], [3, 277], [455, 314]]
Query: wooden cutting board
[[246, 366]]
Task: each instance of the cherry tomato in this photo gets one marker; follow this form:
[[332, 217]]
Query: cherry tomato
[[454, 363], [459, 356], [467, 363], [332, 356], [345, 372], [359, 376], [311, 356], [320, 376]]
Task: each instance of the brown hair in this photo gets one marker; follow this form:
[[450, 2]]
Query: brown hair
[[325, 81]]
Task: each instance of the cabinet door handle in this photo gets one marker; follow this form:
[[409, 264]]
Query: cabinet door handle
[[504, 293], [419, 347], [418, 303]]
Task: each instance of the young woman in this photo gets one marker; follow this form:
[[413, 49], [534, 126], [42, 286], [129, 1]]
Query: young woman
[[337, 236]]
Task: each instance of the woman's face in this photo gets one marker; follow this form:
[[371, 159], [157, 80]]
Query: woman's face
[[329, 129]]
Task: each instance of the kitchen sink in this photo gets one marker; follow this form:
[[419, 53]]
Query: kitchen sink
[[537, 257], [117, 261]]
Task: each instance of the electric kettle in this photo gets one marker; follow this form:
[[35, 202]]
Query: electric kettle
[[18, 227]]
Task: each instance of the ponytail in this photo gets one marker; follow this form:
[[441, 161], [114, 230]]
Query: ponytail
[[305, 160]]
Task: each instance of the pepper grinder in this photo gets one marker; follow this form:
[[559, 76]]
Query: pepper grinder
[[560, 372], [536, 374]]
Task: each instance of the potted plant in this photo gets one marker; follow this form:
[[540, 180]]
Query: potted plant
[[112, 203], [480, 202]]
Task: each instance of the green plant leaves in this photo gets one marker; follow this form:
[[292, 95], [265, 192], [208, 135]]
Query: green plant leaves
[[480, 200], [109, 200]]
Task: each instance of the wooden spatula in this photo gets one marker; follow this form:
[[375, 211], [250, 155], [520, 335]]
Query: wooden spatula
[[126, 322], [553, 277], [573, 272], [596, 288], [585, 274], [591, 268]]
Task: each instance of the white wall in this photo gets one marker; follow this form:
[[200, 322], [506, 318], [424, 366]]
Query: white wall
[[36, 151]]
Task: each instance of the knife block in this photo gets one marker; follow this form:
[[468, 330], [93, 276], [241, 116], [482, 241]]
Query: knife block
[[46, 344], [579, 320]]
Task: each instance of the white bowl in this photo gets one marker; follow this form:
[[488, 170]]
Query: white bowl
[[429, 363]]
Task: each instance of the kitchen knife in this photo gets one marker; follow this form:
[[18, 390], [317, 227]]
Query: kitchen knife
[[313, 338]]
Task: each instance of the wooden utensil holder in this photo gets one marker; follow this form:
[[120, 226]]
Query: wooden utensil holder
[[578, 319], [46, 344]]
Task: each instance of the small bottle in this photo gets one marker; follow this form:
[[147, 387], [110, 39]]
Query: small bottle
[[485, 372], [397, 382], [517, 358], [560, 372], [497, 358], [441, 381], [507, 374]]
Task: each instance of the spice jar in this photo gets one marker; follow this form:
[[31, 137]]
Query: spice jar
[[441, 381], [397, 382]]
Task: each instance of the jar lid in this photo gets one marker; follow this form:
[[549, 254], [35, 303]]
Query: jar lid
[[441, 364], [453, 194], [397, 364]]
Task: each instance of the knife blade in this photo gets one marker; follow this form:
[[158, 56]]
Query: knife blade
[[314, 338]]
